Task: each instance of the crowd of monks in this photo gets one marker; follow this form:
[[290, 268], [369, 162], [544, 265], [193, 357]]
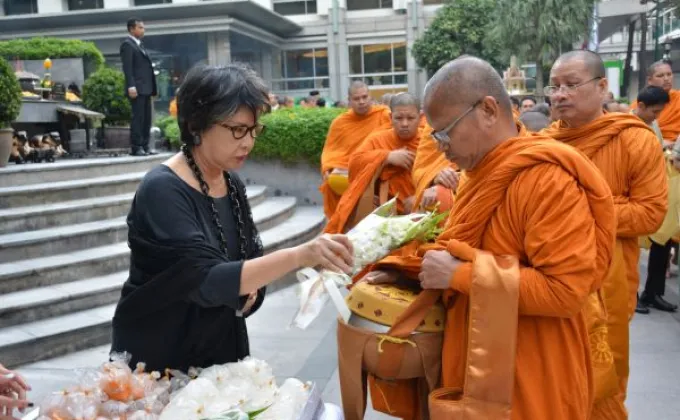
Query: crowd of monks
[[568, 198]]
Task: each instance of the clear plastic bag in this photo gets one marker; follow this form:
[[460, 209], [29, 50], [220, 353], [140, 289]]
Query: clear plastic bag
[[373, 238]]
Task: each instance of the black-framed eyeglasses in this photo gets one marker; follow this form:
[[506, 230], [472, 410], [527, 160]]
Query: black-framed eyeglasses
[[442, 136], [568, 89], [240, 131]]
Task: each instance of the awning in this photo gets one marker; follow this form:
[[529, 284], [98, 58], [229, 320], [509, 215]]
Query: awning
[[80, 112]]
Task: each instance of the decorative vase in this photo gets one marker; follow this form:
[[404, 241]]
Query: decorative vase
[[6, 135]]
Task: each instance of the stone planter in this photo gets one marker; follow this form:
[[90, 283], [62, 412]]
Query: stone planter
[[116, 138], [78, 143], [6, 135]]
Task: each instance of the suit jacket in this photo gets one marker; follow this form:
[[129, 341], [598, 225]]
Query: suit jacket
[[137, 68]]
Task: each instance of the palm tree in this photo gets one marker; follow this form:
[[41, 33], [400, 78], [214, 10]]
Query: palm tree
[[537, 30]]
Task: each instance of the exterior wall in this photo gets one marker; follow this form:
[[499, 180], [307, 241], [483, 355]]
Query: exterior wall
[[52, 6], [118, 4]]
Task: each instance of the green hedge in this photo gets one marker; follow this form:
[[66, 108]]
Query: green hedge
[[42, 48], [164, 122], [292, 135], [10, 95], [295, 135], [104, 91]]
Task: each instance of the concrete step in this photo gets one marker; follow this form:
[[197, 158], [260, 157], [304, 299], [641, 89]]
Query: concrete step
[[43, 216], [63, 239], [56, 336], [75, 169], [54, 192], [101, 260], [64, 332], [61, 299]]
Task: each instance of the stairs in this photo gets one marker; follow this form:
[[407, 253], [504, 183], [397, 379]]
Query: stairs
[[64, 253]]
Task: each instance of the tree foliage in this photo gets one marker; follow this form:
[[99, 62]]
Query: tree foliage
[[536, 30], [104, 91], [10, 94], [460, 27]]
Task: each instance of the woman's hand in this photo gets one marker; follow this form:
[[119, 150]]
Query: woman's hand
[[12, 393], [332, 252], [402, 158], [252, 298]]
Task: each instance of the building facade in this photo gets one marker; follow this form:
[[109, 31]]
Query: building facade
[[296, 45]]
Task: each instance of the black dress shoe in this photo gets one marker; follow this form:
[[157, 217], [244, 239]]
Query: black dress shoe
[[641, 308], [658, 302], [150, 152], [138, 153]]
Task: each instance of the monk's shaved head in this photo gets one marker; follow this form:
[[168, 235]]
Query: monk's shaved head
[[466, 80], [592, 61], [655, 66], [534, 121], [356, 85], [387, 99], [404, 99], [469, 110]]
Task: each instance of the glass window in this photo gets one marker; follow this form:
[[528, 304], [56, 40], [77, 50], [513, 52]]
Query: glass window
[[21, 7], [151, 2], [355, 62], [368, 4], [287, 7], [379, 64], [320, 62], [378, 58], [300, 63], [85, 4]]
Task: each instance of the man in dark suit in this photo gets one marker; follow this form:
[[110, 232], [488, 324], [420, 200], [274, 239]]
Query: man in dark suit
[[140, 83]]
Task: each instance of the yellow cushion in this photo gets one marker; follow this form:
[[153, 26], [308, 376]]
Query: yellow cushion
[[338, 183], [383, 304]]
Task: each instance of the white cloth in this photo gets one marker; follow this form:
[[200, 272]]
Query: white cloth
[[137, 41]]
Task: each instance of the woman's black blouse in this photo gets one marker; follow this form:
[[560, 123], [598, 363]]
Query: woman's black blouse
[[178, 308]]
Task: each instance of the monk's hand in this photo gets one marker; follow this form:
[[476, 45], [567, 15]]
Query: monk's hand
[[332, 252], [429, 198], [408, 204], [381, 277], [437, 270], [447, 178], [402, 158]]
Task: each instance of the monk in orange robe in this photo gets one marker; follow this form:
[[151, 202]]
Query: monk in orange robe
[[528, 197], [627, 153], [346, 134], [386, 155], [660, 74]]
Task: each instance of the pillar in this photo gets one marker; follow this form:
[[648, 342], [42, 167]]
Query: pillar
[[415, 28], [219, 48], [338, 53]]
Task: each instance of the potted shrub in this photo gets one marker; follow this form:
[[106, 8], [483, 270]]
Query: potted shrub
[[10, 106], [104, 91]]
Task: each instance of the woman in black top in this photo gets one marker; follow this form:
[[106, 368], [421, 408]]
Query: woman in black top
[[196, 266]]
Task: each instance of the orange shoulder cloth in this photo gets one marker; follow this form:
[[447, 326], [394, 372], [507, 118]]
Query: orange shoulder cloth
[[591, 137], [485, 187]]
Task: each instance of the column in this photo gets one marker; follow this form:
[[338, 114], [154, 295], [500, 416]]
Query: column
[[267, 63], [338, 54], [52, 6], [415, 27], [219, 48], [116, 4]]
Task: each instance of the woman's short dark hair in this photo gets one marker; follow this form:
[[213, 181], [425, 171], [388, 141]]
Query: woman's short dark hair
[[209, 94]]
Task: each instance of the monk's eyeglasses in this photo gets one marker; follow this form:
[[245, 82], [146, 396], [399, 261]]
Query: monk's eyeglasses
[[240, 131], [568, 89], [442, 136]]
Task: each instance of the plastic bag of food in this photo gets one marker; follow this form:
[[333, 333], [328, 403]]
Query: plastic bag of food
[[116, 381], [191, 402], [373, 238], [256, 370], [290, 401]]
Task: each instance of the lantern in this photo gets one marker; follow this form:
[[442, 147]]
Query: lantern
[[47, 64]]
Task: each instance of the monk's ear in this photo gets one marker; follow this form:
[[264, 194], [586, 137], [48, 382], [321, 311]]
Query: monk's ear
[[603, 84], [490, 107]]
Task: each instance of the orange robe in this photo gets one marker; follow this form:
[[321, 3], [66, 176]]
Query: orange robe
[[430, 161], [345, 135], [363, 166], [513, 203], [627, 153]]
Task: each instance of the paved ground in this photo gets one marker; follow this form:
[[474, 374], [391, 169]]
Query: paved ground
[[654, 391]]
